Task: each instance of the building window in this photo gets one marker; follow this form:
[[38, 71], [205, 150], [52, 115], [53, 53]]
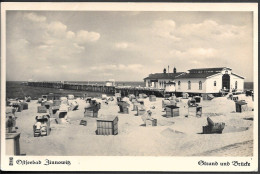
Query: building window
[[236, 85], [215, 83], [200, 85], [189, 85], [179, 84]]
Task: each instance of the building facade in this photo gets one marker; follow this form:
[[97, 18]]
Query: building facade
[[198, 81], [160, 80]]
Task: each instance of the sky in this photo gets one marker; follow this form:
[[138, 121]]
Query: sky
[[125, 46]]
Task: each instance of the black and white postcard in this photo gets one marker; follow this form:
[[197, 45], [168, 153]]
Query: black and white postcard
[[129, 86]]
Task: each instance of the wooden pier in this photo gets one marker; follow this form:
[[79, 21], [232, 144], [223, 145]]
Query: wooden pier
[[124, 90]]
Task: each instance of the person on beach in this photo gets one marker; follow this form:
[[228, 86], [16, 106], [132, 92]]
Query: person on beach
[[10, 124]]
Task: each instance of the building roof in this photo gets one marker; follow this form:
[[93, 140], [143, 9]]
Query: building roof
[[193, 73], [237, 75], [241, 102], [210, 69], [164, 75], [196, 75], [170, 82]]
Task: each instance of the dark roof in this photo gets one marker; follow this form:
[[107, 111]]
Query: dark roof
[[170, 82], [163, 75], [241, 102], [196, 75], [192, 74], [209, 69]]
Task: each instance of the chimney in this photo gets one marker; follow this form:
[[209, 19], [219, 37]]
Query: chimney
[[174, 70], [164, 70]]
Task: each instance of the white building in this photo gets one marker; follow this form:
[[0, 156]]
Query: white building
[[110, 82], [159, 80], [205, 80], [170, 87]]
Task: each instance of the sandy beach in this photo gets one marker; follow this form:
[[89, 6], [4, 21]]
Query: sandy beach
[[175, 136]]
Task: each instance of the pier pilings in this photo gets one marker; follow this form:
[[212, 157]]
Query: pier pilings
[[125, 91]]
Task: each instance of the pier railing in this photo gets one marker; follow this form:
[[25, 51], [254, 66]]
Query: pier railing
[[124, 90]]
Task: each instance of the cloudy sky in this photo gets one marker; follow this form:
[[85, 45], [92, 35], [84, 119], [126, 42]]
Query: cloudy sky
[[125, 46]]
